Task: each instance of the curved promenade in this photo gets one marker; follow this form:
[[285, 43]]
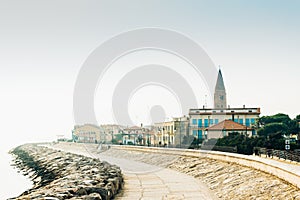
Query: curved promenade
[[153, 173], [144, 181], [285, 170]]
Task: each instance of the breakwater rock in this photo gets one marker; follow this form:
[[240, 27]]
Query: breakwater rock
[[58, 175]]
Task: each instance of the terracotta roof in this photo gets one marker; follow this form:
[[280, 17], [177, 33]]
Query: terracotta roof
[[228, 125]]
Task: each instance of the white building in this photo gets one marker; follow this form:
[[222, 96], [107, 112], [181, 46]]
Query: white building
[[136, 135], [201, 119]]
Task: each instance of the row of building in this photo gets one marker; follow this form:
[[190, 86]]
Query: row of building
[[203, 123]]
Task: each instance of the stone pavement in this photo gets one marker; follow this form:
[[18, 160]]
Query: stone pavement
[[144, 181], [163, 184]]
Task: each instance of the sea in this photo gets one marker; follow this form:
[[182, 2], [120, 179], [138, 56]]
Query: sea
[[12, 183]]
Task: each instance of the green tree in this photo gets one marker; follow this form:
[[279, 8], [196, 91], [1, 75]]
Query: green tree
[[278, 118], [243, 143], [273, 129], [293, 126]]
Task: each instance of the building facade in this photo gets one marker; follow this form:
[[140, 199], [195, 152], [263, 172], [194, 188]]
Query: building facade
[[110, 131], [137, 135], [201, 119], [171, 133], [87, 133]]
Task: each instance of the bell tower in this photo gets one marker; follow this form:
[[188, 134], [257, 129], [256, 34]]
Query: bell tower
[[220, 93]]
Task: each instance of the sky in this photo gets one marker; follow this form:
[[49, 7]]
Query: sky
[[43, 45]]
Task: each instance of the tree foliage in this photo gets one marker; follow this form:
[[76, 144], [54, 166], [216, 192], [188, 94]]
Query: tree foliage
[[277, 125], [270, 134], [243, 143], [278, 118], [273, 129]]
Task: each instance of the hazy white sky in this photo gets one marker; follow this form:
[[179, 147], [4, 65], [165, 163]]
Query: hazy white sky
[[44, 43]]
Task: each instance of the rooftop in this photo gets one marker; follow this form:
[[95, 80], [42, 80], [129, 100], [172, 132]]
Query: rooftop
[[223, 110], [228, 125]]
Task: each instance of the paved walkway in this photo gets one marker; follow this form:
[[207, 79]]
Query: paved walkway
[[144, 181], [163, 184]]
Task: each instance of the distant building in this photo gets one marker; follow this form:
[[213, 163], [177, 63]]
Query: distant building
[[136, 135], [165, 133], [201, 119], [109, 131], [172, 132], [87, 133], [227, 126]]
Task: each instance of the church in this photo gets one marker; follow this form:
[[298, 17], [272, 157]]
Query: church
[[217, 122]]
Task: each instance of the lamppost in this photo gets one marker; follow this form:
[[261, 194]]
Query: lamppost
[[148, 140], [169, 142], [180, 129], [112, 135]]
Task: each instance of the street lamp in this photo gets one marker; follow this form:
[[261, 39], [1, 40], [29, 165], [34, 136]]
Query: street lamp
[[180, 130]]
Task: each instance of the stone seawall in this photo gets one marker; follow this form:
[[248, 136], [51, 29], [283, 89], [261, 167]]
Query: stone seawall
[[58, 175], [226, 178], [290, 175]]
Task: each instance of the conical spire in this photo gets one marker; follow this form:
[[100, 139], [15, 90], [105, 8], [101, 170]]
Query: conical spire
[[220, 83], [220, 92]]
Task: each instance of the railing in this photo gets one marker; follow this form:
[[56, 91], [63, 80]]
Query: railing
[[281, 154]]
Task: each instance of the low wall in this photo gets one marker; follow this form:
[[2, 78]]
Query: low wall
[[58, 175], [261, 164]]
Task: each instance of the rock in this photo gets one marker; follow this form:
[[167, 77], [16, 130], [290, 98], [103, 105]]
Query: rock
[[51, 198], [93, 196], [57, 175]]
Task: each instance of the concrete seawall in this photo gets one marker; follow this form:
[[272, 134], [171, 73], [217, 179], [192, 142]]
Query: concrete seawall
[[58, 175], [285, 171]]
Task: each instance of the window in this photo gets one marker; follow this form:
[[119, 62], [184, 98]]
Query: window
[[241, 121], [247, 122], [194, 132], [216, 121], [199, 122], [236, 120], [252, 121], [205, 122], [194, 122], [211, 121], [199, 134]]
